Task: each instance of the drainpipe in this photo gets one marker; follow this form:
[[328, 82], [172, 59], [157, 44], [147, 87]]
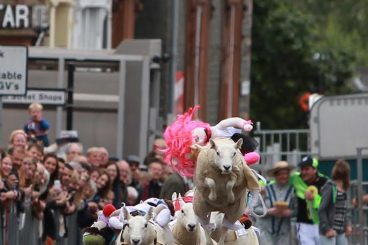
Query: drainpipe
[[174, 55], [199, 12], [231, 63]]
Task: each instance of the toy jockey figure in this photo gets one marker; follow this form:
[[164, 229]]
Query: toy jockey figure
[[185, 132]]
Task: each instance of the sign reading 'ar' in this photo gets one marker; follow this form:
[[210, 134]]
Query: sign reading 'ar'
[[13, 70], [14, 16]]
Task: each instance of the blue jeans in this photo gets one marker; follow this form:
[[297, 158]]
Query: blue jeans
[[340, 239]]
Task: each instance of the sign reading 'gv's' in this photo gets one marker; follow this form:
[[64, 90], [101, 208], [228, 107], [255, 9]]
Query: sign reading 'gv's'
[[13, 70], [43, 96]]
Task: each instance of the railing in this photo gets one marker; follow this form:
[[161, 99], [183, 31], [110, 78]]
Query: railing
[[358, 215], [360, 212], [290, 145], [276, 145], [18, 228]]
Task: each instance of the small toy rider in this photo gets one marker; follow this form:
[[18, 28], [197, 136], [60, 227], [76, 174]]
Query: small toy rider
[[185, 132], [36, 127]]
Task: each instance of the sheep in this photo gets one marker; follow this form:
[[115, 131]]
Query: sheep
[[233, 237], [186, 228], [138, 230], [222, 180]]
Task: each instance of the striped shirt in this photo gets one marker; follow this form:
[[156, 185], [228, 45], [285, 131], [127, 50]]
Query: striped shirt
[[340, 212]]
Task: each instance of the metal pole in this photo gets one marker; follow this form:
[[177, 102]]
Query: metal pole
[[60, 84], [174, 54], [109, 25], [69, 109], [121, 109], [1, 120], [361, 217], [198, 31]]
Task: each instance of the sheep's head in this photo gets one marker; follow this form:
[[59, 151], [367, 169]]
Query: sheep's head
[[186, 216], [224, 154], [138, 227]]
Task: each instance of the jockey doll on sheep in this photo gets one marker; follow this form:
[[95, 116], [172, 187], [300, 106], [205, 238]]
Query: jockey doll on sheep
[[185, 132]]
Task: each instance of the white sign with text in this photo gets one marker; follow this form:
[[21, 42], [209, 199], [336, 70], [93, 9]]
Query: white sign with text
[[13, 70], [43, 96]]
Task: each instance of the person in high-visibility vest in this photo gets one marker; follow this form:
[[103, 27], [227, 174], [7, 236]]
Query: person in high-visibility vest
[[307, 184]]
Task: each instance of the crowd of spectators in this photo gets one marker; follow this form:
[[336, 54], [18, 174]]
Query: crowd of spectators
[[64, 179]]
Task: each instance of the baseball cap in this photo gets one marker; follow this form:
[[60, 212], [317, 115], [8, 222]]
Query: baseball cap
[[133, 159], [308, 161]]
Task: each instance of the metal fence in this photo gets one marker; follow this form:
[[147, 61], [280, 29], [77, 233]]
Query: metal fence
[[290, 145], [18, 228], [276, 145], [359, 212]]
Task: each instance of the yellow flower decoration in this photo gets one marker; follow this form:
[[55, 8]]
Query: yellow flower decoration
[[313, 190]]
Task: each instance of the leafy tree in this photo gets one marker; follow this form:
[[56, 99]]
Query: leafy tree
[[296, 50]]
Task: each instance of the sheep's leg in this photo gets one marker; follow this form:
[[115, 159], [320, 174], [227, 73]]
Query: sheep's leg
[[204, 220], [211, 184], [229, 188], [223, 236]]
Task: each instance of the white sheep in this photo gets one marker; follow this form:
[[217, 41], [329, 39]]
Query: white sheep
[[222, 180], [233, 237], [138, 230], [186, 228]]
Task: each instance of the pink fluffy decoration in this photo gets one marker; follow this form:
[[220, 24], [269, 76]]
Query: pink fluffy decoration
[[251, 158], [178, 137]]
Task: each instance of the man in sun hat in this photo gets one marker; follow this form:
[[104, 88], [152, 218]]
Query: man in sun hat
[[307, 184], [280, 201]]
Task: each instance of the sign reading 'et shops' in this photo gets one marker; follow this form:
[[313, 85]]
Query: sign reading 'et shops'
[[54, 97], [13, 70]]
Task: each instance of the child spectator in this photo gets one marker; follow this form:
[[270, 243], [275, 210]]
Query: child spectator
[[37, 127]]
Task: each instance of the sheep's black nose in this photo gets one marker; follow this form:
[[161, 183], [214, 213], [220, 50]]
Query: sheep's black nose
[[135, 241], [191, 226], [227, 168]]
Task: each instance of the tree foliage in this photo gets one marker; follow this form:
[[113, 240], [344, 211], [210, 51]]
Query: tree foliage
[[300, 46]]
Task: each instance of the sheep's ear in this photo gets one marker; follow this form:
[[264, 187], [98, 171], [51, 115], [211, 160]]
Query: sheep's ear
[[115, 213], [174, 197], [126, 213], [239, 144], [213, 144], [149, 214], [181, 201], [196, 147]]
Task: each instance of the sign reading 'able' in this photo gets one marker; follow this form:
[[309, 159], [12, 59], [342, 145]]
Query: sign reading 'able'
[[13, 70]]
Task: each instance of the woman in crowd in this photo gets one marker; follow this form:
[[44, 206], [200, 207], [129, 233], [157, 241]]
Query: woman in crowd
[[8, 181], [26, 176], [117, 186], [103, 189], [6, 166], [95, 174], [18, 139], [35, 151], [335, 223], [50, 161]]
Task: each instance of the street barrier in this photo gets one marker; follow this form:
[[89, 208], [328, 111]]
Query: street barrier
[[23, 228]]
